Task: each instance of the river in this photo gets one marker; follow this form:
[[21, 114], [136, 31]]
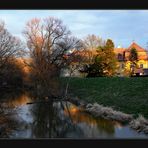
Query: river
[[43, 120]]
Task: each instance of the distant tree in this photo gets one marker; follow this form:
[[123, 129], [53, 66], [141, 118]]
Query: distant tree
[[111, 60], [95, 69], [10, 46], [91, 43], [133, 58], [105, 62]]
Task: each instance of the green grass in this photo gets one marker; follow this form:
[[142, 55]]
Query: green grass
[[129, 95]]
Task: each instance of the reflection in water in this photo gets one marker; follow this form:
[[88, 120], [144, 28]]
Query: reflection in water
[[52, 120], [7, 124], [15, 99], [90, 123], [9, 103]]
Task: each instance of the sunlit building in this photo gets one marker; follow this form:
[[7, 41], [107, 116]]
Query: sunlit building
[[124, 64]]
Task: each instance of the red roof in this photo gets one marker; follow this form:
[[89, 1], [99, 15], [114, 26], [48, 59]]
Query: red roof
[[119, 50], [136, 46]]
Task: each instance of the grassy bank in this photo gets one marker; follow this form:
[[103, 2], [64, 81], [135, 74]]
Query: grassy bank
[[129, 95]]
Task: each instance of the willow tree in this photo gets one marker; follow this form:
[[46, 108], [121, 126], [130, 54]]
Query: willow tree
[[48, 41]]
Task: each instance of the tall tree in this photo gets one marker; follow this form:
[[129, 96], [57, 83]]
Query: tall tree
[[104, 62], [133, 57], [91, 43], [111, 61], [49, 41], [10, 46]]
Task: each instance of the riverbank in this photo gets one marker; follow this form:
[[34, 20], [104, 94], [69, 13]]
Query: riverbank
[[140, 124], [128, 95]]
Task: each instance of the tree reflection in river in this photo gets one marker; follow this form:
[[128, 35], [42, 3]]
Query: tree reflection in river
[[49, 121], [52, 120], [92, 126], [9, 121], [7, 125]]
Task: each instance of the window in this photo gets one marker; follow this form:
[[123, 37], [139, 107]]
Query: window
[[122, 66], [141, 65], [119, 56]]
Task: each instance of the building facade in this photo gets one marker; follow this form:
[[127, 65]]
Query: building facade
[[124, 64]]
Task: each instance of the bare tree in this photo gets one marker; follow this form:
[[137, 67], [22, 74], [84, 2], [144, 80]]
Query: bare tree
[[91, 44], [10, 46], [11, 49], [49, 40]]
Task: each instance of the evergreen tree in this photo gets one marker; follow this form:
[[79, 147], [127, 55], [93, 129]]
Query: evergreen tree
[[133, 58], [105, 61]]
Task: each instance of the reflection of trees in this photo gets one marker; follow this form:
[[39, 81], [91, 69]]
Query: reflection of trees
[[13, 98], [49, 121], [106, 125], [52, 120], [8, 120], [8, 123], [6, 100], [102, 125]]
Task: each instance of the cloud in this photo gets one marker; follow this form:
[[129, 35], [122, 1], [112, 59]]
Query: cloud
[[120, 25]]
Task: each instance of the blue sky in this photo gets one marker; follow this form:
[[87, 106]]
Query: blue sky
[[122, 26]]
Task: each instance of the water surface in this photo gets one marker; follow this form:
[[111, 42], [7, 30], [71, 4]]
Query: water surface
[[44, 120]]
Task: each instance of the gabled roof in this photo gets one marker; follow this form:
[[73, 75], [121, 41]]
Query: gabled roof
[[136, 46]]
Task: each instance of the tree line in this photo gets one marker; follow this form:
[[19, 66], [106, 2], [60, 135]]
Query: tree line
[[48, 50]]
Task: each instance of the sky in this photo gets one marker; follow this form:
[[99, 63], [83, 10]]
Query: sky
[[122, 26]]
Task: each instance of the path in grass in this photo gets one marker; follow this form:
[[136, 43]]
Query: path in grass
[[129, 95]]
